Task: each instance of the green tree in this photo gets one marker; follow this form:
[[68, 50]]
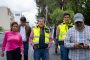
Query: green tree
[[1, 29], [57, 15], [55, 8], [86, 12]]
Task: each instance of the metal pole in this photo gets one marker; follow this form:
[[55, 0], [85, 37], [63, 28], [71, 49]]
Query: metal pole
[[62, 4], [46, 13]]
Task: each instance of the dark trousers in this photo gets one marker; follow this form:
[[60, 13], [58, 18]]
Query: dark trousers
[[13, 54], [25, 50], [56, 45], [64, 51], [41, 54]]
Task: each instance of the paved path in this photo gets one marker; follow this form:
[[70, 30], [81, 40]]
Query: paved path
[[52, 55], [1, 39]]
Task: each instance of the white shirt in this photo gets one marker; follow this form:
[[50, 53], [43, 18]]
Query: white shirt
[[23, 33]]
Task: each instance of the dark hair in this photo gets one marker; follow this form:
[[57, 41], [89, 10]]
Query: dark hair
[[13, 23], [66, 14], [23, 19]]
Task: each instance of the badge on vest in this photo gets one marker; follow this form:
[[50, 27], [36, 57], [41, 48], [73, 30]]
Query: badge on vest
[[47, 30]]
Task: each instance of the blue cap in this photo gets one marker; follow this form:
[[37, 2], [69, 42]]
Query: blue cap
[[78, 17]]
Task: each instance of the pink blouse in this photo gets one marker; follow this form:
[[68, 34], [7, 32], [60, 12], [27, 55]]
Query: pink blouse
[[12, 40]]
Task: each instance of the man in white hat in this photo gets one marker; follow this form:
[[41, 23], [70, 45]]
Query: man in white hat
[[78, 39]]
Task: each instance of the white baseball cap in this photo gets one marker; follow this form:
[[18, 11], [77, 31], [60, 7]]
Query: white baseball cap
[[78, 17]]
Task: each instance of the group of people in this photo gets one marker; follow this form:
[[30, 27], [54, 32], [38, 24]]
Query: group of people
[[73, 39], [16, 41]]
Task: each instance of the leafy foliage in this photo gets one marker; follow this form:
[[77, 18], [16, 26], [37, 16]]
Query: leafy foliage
[[1, 29], [57, 7]]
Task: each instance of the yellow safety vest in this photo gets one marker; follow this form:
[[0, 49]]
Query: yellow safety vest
[[63, 29], [36, 31]]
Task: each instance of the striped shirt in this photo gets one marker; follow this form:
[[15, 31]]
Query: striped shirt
[[74, 36]]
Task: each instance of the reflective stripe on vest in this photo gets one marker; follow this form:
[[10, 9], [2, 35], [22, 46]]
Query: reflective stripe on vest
[[37, 35]]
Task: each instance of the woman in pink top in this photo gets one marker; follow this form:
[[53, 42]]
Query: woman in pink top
[[12, 43]]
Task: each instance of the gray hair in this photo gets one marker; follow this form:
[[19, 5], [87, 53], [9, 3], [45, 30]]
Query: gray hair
[[41, 18]]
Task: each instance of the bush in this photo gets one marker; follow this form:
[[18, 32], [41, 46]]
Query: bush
[[57, 15], [1, 29]]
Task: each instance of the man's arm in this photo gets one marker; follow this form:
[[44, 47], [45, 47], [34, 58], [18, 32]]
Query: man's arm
[[87, 44], [28, 32], [50, 40], [31, 38], [57, 32]]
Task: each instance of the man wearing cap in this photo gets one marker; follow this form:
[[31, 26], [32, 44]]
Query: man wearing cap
[[78, 39]]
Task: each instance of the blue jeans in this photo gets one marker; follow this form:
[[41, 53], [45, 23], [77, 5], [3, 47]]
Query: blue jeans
[[64, 52], [41, 54], [25, 50]]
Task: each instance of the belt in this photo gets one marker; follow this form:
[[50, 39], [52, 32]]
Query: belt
[[37, 46], [24, 41], [61, 42]]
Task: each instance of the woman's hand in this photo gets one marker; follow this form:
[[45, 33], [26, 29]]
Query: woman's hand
[[2, 54], [22, 53]]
